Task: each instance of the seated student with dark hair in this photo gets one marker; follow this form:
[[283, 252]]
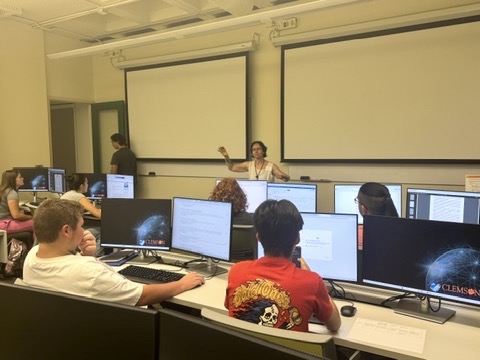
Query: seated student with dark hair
[[55, 265], [374, 199], [272, 291], [78, 185]]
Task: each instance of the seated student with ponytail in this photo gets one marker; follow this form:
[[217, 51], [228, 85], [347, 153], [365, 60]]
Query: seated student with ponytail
[[78, 185], [374, 199]]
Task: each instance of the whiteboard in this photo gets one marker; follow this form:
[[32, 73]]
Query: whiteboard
[[409, 95], [186, 110]]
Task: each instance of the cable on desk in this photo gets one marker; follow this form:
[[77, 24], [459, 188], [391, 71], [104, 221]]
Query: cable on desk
[[398, 297], [337, 291]]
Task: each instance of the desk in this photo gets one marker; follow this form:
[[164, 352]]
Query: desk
[[456, 339]]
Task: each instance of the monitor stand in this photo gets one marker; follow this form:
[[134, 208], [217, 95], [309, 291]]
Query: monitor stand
[[142, 259], [208, 268], [421, 310]]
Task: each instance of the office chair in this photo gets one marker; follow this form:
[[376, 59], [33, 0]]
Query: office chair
[[5, 240], [318, 345], [244, 243]]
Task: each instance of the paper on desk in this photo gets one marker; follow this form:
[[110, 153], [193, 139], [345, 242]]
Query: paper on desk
[[388, 334]]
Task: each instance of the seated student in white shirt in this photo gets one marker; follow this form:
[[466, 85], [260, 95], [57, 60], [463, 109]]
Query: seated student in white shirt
[[55, 265]]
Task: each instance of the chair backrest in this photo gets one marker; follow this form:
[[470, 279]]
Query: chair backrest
[[318, 345], [243, 243], [49, 325], [3, 247]]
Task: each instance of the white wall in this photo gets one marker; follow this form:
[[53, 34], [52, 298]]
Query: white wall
[[29, 79], [24, 112], [265, 72]]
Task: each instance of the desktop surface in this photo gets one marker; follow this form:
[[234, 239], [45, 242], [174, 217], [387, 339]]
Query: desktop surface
[[463, 328]]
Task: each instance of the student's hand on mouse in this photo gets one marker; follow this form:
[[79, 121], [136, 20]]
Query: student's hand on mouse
[[303, 264], [191, 280], [88, 245]]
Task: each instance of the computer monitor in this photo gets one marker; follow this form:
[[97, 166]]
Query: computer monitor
[[429, 258], [97, 186], [443, 205], [345, 195], [328, 243], [203, 227], [142, 224], [120, 186], [255, 190], [303, 196], [35, 179], [56, 181], [201, 338]]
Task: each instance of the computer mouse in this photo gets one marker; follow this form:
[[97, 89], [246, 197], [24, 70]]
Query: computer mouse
[[348, 310]]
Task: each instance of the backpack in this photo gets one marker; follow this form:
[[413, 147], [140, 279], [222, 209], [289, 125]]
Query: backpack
[[16, 256]]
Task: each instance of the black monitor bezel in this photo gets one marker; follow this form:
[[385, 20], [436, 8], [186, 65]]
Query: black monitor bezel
[[101, 176], [63, 173], [106, 205], [24, 169], [404, 288], [442, 192]]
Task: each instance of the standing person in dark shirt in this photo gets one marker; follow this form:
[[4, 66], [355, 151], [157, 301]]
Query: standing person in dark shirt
[[124, 161]]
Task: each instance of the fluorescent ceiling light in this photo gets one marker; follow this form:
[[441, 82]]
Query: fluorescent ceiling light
[[8, 10], [235, 22], [401, 21], [221, 50]]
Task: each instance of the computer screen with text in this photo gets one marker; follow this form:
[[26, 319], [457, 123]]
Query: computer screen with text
[[328, 243]]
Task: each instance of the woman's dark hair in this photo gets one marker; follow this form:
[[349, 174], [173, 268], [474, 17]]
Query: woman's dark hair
[[376, 198], [75, 181], [278, 224], [262, 145], [9, 181]]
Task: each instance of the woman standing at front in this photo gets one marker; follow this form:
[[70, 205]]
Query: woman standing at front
[[11, 218], [258, 168]]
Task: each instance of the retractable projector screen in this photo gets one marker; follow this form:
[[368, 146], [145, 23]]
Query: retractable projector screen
[[186, 110], [403, 95]]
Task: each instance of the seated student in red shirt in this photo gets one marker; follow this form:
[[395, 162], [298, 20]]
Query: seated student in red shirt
[[272, 291]]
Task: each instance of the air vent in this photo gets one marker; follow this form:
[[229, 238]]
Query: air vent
[[101, 39], [221, 14], [139, 32], [184, 22], [281, 2]]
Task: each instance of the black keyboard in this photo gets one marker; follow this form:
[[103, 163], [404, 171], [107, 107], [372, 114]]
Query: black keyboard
[[149, 276]]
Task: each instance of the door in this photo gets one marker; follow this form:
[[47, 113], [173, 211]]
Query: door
[[62, 120], [107, 118]]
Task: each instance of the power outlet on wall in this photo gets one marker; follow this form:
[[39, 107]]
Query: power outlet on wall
[[290, 23]]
